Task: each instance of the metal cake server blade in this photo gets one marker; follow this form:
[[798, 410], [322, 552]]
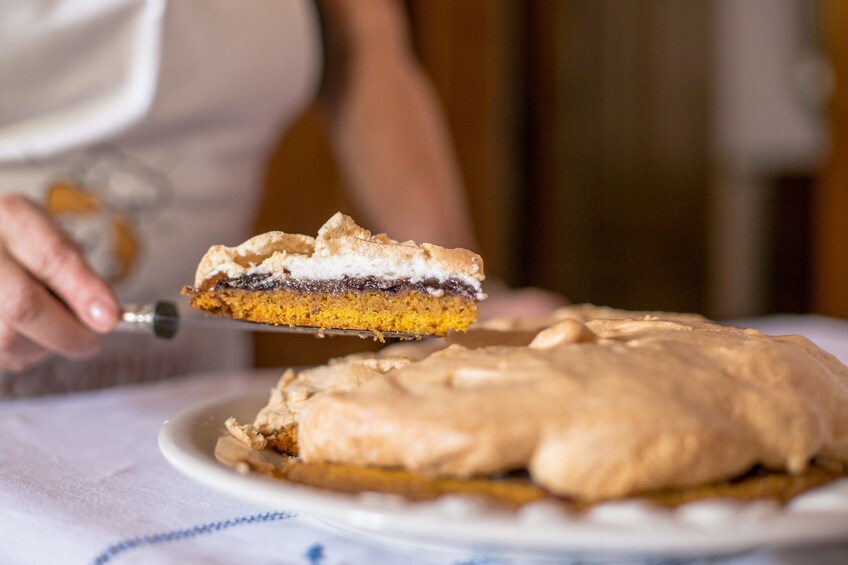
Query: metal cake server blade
[[162, 319]]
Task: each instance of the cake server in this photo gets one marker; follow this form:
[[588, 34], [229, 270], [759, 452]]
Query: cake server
[[162, 319]]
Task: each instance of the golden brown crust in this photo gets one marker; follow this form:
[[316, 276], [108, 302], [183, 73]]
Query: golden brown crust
[[410, 312], [512, 489], [285, 440]]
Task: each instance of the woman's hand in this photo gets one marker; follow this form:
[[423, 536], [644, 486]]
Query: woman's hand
[[50, 299]]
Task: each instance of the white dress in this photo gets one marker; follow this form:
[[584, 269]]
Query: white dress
[[144, 128]]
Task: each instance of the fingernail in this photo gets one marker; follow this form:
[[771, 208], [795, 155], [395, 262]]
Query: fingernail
[[103, 316]]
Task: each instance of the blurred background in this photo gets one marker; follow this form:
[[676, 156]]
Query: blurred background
[[682, 155]]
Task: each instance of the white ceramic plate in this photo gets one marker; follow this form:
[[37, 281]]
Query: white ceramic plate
[[611, 531]]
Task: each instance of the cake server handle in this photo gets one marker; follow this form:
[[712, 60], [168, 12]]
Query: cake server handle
[[161, 319]]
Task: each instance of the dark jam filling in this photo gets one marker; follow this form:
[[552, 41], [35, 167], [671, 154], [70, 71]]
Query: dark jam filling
[[345, 284]]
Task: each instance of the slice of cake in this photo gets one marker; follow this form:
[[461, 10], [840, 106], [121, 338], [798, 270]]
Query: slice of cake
[[345, 278]]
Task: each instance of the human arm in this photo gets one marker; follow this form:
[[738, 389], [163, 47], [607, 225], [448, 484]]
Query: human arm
[[52, 302], [386, 128]]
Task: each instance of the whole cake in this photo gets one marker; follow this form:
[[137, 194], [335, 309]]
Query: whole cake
[[345, 278], [590, 408]]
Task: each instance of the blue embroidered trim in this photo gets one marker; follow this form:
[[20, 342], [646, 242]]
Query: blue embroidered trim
[[315, 554], [178, 535]]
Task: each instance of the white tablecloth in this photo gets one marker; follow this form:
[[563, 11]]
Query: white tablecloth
[[82, 481]]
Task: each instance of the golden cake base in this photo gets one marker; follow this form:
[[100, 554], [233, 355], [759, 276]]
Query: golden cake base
[[507, 490], [410, 312]]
